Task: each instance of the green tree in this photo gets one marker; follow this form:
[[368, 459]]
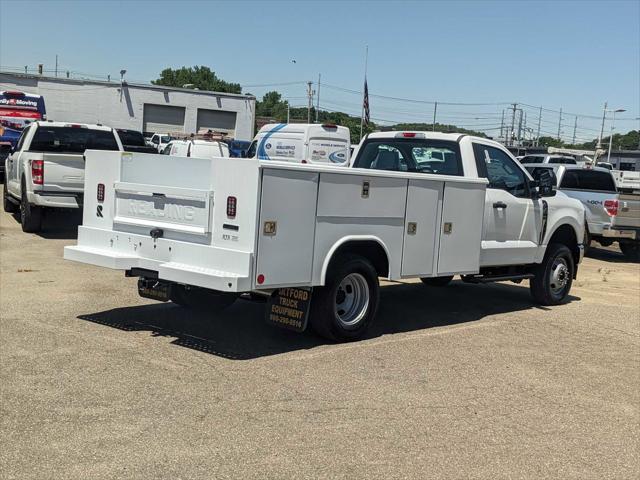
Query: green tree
[[202, 78], [550, 142]]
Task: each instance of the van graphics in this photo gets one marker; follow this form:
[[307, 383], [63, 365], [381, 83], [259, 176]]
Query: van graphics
[[262, 151]]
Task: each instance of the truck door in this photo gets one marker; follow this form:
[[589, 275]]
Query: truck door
[[512, 218], [12, 176]]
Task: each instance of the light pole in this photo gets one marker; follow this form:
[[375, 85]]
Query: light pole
[[613, 120]]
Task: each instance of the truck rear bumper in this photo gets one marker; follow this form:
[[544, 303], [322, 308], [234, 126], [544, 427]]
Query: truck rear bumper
[[180, 262], [55, 199], [625, 233]]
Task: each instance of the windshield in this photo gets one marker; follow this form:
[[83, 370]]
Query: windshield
[[165, 139], [251, 152], [132, 138], [71, 140]]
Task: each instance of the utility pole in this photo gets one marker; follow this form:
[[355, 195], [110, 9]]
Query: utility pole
[[559, 123], [604, 114], [56, 64], [310, 95], [575, 127], [318, 100], [502, 125], [435, 110], [513, 124], [539, 122], [519, 129]]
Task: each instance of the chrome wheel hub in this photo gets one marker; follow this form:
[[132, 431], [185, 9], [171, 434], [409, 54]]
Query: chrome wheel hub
[[352, 300], [559, 276]]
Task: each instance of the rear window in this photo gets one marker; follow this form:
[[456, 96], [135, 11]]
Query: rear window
[[588, 180], [131, 137], [562, 161], [530, 159], [410, 155], [71, 140]]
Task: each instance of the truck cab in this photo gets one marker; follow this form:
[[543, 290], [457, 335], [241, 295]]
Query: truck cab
[[517, 217]]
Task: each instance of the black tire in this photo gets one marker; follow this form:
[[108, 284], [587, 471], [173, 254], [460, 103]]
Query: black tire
[[201, 298], [631, 250], [437, 281], [551, 286], [30, 215], [333, 315], [7, 204], [587, 239]]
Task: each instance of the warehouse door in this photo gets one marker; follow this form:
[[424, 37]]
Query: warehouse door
[[217, 121], [163, 118]]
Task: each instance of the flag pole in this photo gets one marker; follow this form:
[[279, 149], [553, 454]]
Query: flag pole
[[366, 61]]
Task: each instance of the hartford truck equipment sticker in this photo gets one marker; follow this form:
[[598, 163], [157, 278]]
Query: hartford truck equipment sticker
[[289, 308]]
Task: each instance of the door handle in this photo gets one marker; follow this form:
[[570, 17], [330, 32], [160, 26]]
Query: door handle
[[499, 205]]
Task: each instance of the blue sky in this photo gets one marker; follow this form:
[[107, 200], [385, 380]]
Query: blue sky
[[573, 55]]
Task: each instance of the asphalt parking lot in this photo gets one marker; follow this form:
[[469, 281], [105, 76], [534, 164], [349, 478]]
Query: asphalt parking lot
[[462, 382]]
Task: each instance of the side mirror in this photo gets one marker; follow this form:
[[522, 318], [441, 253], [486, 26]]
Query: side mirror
[[545, 181]]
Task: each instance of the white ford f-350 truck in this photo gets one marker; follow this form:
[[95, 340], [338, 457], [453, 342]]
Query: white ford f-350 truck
[[46, 169], [313, 239]]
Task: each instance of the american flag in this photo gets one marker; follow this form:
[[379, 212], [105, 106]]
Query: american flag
[[365, 103]]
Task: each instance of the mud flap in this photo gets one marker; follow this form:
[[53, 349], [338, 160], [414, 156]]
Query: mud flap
[[289, 308]]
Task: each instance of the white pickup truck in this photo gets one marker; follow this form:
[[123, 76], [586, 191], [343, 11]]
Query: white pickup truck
[[313, 239], [46, 169]]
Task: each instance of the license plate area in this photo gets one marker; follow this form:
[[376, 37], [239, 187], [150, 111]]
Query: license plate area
[[289, 308], [153, 289], [176, 209]]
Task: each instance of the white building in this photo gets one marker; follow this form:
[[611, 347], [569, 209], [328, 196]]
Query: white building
[[148, 108]]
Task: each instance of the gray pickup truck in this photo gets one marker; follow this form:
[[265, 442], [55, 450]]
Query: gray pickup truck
[[612, 216]]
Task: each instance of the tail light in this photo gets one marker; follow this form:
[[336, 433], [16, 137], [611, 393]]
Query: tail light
[[37, 172], [232, 203], [100, 193], [611, 206]]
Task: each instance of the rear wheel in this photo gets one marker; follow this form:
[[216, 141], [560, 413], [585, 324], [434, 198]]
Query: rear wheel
[[200, 298], [345, 307], [554, 276], [8, 205], [437, 281], [30, 215], [631, 250]]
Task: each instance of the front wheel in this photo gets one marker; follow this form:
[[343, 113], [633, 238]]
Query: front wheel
[[7, 203], [554, 276], [345, 307]]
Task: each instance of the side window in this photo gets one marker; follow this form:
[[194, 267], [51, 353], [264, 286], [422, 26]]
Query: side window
[[155, 140], [22, 138], [501, 171]]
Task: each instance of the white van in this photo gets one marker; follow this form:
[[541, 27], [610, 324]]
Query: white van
[[302, 143], [197, 148]]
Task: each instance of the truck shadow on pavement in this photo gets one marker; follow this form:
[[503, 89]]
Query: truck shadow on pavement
[[608, 254], [240, 332], [58, 224]]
